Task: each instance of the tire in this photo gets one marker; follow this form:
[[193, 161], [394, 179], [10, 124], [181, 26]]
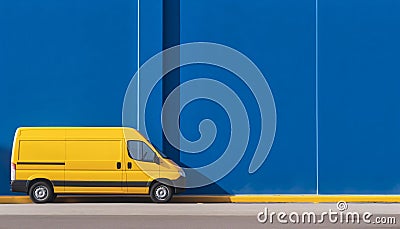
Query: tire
[[160, 193], [41, 192]]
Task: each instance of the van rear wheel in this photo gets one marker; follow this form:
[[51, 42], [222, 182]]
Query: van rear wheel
[[160, 193], [41, 192]]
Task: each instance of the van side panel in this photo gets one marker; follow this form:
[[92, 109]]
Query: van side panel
[[41, 151], [91, 166], [41, 159]]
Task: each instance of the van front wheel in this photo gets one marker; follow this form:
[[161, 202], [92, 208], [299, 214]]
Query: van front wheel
[[41, 192], [160, 193]]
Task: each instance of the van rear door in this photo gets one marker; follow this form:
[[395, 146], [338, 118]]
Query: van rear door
[[41, 159]]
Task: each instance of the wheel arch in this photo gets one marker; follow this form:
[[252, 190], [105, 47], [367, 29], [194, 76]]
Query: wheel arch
[[39, 179], [162, 181]]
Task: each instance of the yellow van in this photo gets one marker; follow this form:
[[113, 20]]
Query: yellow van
[[47, 161]]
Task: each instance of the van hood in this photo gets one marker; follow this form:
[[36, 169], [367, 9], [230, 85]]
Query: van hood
[[173, 162]]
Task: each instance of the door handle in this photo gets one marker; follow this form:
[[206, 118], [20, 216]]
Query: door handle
[[129, 165], [118, 165]]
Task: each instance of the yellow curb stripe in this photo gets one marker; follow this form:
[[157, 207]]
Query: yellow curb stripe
[[235, 199], [315, 198], [14, 200]]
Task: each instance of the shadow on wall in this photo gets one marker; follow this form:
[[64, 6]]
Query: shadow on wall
[[211, 189], [5, 158]]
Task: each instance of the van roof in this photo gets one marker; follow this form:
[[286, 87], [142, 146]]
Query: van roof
[[73, 127], [77, 133]]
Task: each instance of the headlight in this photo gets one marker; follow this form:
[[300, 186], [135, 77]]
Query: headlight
[[182, 173]]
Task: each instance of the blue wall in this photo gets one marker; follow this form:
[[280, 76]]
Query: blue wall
[[359, 96], [68, 63], [279, 37]]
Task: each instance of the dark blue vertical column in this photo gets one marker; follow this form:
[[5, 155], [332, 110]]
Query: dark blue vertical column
[[171, 37], [150, 44]]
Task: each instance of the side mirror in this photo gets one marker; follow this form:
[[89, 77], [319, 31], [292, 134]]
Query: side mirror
[[156, 160]]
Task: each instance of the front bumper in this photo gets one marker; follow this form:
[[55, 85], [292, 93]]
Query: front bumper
[[179, 184]]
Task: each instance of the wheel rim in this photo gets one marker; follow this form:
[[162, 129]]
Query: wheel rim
[[40, 192], [161, 192]]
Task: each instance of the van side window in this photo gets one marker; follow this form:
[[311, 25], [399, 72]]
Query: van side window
[[140, 151], [135, 150]]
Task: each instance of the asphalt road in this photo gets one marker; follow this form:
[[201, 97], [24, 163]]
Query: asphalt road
[[174, 215]]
